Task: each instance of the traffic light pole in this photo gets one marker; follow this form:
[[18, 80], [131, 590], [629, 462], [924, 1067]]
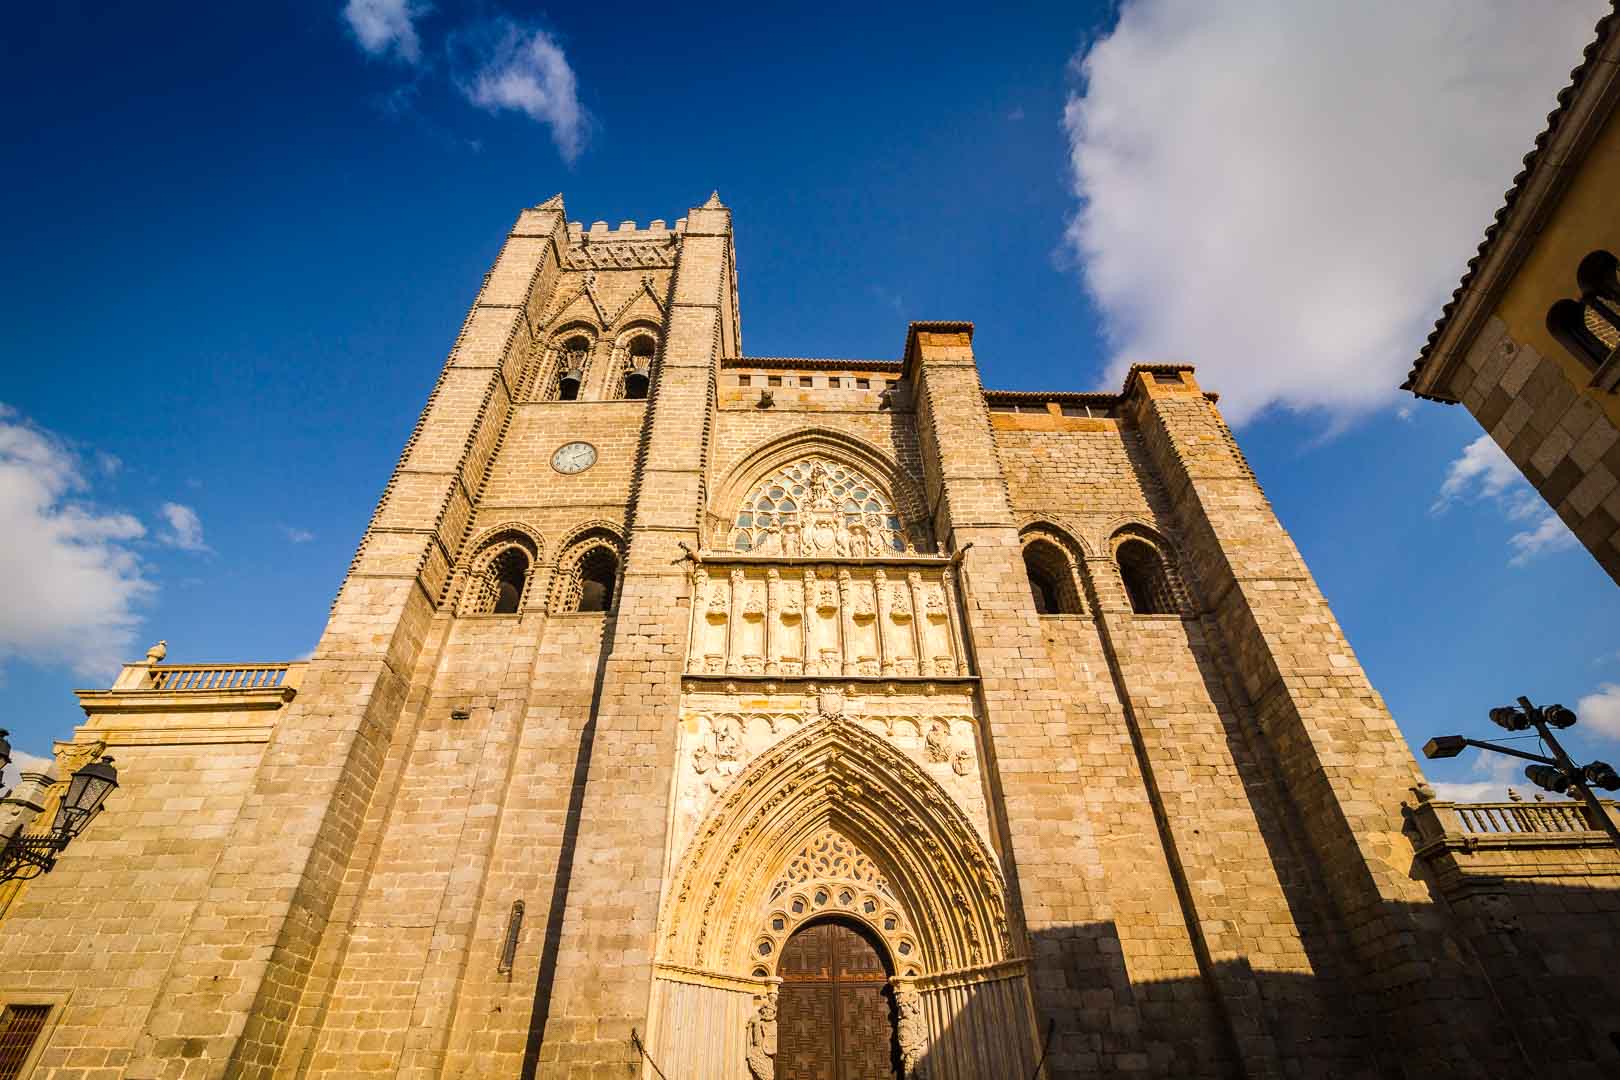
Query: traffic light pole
[[1565, 765]]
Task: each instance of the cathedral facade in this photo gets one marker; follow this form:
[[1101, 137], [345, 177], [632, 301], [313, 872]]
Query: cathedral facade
[[698, 715]]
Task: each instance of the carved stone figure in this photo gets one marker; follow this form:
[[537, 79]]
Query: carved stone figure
[[961, 762], [912, 1033], [762, 1041], [938, 743]]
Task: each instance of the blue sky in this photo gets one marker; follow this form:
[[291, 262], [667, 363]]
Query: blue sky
[[241, 240]]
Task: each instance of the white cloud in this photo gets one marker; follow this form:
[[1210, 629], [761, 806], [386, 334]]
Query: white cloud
[[383, 25], [1483, 461], [1285, 193], [1483, 471], [1600, 710], [296, 535], [185, 529], [526, 70], [22, 760], [73, 580], [1548, 535], [1501, 771]]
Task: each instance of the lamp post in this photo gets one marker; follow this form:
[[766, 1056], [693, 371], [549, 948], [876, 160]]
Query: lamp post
[[27, 855], [1557, 773]]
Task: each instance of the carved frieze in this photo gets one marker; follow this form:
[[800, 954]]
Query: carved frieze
[[824, 621]]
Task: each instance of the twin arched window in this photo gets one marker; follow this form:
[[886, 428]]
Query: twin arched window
[[568, 363], [1054, 587], [1590, 326]]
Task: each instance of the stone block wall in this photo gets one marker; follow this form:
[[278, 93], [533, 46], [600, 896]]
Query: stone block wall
[[1566, 445]]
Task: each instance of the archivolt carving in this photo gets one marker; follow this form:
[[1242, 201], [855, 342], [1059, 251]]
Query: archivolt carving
[[833, 775]]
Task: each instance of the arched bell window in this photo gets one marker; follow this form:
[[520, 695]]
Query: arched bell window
[[510, 571], [571, 368], [1147, 582], [638, 363]]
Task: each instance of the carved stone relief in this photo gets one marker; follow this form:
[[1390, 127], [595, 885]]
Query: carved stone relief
[[824, 621], [722, 731]]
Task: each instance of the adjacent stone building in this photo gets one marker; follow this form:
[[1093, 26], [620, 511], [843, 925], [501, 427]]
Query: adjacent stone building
[[699, 715], [1530, 342]]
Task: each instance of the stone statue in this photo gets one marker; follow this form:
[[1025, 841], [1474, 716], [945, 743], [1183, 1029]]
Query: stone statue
[[938, 743], [762, 1041], [913, 1034]]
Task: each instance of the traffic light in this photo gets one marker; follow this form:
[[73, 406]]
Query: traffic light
[[1601, 774], [1548, 776], [1511, 717], [1557, 716]]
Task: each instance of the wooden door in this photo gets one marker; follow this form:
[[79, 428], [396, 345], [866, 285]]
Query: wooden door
[[834, 1020]]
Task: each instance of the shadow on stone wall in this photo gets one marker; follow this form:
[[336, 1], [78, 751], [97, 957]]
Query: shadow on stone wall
[[547, 977], [1530, 970]]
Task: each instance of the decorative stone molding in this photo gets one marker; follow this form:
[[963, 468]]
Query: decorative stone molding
[[835, 619], [649, 254], [944, 886]]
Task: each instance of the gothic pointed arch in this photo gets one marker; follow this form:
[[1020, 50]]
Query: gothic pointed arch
[[909, 851], [897, 492]]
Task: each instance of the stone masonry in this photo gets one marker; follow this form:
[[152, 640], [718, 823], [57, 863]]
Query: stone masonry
[[623, 691]]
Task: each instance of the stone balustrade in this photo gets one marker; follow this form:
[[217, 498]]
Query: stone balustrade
[[217, 676], [1437, 826]]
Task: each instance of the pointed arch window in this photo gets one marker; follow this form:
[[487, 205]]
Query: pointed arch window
[[811, 493]]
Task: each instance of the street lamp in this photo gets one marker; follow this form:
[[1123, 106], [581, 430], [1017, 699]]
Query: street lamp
[[1557, 773], [27, 855]]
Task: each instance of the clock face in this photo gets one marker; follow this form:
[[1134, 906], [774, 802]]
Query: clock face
[[574, 457]]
